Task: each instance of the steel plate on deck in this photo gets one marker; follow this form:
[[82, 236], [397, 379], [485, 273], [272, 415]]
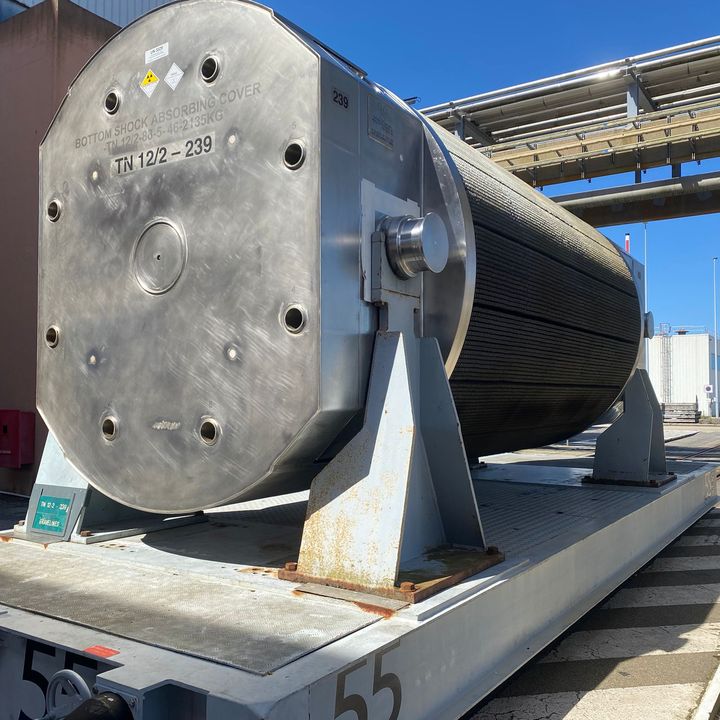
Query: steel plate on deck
[[212, 618]]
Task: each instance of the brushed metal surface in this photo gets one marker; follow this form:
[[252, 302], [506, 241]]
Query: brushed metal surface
[[164, 344], [189, 236]]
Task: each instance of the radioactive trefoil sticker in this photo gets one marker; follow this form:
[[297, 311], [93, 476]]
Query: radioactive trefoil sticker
[[174, 76], [149, 83]]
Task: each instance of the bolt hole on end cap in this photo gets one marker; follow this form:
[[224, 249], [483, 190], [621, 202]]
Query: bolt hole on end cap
[[294, 155], [111, 102], [52, 336], [209, 431], [109, 427], [295, 319], [210, 69], [54, 209], [416, 245]]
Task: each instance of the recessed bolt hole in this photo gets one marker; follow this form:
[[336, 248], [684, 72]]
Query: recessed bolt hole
[[109, 428], [52, 336], [53, 210], [209, 431], [210, 69], [294, 155], [112, 102], [157, 257], [294, 319]]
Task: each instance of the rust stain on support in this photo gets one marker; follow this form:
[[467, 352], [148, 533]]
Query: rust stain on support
[[374, 609], [435, 571], [266, 571]]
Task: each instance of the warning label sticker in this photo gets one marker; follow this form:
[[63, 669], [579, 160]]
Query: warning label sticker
[[174, 76], [149, 83], [156, 53]]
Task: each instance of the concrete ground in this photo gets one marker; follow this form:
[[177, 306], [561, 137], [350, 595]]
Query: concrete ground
[[649, 651]]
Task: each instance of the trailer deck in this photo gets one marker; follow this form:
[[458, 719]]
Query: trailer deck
[[652, 647], [648, 652], [204, 602]]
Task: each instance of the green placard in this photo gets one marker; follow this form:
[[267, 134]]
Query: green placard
[[51, 514]]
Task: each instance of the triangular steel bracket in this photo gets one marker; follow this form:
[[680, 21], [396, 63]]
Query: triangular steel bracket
[[632, 450], [399, 494]]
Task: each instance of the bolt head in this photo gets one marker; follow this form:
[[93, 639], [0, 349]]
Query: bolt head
[[407, 587], [291, 566]]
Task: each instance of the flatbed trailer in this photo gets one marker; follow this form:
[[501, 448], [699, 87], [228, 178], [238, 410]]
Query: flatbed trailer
[[234, 641]]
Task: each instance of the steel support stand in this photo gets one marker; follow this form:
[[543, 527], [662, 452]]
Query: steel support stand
[[394, 513], [632, 450]]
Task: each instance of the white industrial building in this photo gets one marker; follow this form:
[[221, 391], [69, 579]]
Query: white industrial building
[[681, 365]]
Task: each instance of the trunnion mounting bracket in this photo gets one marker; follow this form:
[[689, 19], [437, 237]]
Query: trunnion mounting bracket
[[394, 513], [632, 450]]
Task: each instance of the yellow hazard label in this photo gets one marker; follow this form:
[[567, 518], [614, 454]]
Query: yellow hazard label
[[149, 78]]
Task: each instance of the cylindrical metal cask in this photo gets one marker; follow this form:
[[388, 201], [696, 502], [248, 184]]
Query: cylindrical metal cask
[[210, 190]]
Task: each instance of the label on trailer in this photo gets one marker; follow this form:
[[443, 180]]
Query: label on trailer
[[370, 687], [164, 154], [101, 651], [149, 83], [51, 514]]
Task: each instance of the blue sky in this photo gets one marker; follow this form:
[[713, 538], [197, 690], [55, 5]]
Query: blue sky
[[442, 51]]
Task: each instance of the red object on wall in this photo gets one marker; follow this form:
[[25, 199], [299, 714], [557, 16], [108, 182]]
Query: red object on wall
[[17, 438]]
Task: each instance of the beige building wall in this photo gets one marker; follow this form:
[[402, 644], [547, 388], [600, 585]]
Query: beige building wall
[[41, 51]]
